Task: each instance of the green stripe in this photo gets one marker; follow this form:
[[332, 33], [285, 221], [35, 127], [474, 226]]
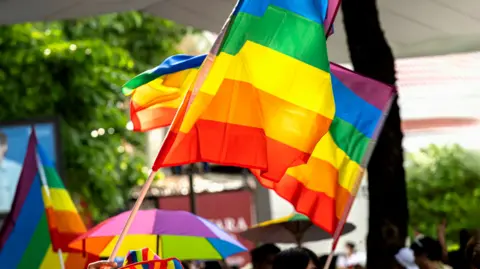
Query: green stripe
[[38, 246], [53, 179], [298, 217], [283, 31], [138, 81], [349, 139]]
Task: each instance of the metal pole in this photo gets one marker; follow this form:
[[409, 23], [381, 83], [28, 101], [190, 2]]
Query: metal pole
[[191, 193]]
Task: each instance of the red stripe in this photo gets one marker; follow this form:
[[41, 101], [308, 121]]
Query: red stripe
[[320, 208], [64, 227], [145, 254], [231, 145]]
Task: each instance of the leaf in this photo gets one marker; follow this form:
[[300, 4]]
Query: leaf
[[443, 182]]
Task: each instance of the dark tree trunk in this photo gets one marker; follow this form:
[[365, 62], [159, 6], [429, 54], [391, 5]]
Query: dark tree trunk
[[372, 57]]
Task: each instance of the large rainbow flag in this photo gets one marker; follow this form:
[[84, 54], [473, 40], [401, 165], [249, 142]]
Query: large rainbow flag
[[43, 219], [322, 188]]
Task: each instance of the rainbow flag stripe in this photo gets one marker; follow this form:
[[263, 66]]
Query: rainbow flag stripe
[[266, 83], [156, 94], [26, 239], [146, 259]]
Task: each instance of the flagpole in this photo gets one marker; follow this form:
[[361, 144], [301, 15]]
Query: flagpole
[[43, 179]]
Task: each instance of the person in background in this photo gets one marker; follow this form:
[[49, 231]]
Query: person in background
[[263, 256], [472, 252], [406, 258], [456, 259], [352, 258], [428, 253], [296, 258], [323, 260], [9, 176], [212, 265], [102, 264]]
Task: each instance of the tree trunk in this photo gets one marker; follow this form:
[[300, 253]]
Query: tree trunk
[[372, 57]]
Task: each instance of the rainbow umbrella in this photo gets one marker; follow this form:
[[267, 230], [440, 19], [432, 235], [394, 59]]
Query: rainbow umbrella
[[294, 228], [177, 234]]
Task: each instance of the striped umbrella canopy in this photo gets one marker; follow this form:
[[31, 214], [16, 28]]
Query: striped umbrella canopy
[[294, 228], [171, 233]]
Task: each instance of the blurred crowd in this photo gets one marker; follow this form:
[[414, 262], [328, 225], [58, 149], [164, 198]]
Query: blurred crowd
[[423, 253]]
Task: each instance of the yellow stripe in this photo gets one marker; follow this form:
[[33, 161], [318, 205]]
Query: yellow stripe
[[328, 151], [59, 200], [51, 260], [166, 91], [274, 221], [277, 74]]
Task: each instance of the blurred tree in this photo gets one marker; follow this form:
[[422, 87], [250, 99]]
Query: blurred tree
[[74, 70], [443, 183]]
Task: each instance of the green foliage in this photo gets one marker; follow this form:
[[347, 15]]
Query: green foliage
[[443, 182], [74, 70]]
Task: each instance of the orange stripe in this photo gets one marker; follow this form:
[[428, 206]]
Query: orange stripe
[[259, 137], [241, 103], [146, 119], [323, 210], [66, 221]]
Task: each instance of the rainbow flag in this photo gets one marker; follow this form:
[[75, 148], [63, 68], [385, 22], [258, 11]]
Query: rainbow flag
[[265, 100], [42, 220], [324, 187], [156, 94]]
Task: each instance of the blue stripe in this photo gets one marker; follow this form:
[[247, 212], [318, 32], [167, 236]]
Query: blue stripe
[[177, 264], [314, 10], [26, 224], [353, 109], [45, 161], [178, 63], [224, 248]]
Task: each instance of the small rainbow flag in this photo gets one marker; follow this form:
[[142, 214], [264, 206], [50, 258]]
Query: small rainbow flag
[[146, 259], [156, 94], [43, 219]]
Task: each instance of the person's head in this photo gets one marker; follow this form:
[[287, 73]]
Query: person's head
[[463, 238], [3, 145], [263, 256], [185, 264], [427, 251], [350, 248], [300, 258], [212, 265], [472, 252], [323, 260], [406, 259]]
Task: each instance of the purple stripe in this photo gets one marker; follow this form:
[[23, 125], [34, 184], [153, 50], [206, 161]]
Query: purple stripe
[[372, 91], [29, 171], [333, 6]]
